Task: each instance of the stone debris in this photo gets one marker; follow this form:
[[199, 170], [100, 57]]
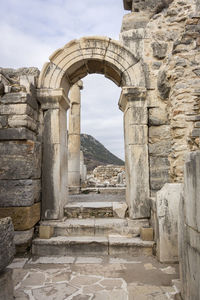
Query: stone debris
[[107, 176], [168, 270]]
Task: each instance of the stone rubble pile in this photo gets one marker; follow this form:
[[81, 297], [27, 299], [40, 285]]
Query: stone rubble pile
[[107, 176]]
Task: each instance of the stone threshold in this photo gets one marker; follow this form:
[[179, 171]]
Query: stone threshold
[[79, 245], [95, 209], [97, 226]]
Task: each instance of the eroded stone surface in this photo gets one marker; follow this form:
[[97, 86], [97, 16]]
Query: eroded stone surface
[[6, 285], [7, 249], [167, 201]]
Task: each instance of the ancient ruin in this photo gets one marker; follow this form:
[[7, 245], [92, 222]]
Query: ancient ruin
[[156, 62]]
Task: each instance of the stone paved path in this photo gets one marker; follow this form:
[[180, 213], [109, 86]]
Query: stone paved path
[[92, 278]]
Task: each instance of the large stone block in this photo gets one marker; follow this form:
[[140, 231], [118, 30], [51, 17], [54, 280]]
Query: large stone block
[[192, 190], [3, 121], [23, 239], [163, 85], [138, 134], [19, 192], [17, 98], [7, 248], [23, 218], [160, 148], [189, 235], [167, 203], [18, 109], [20, 160], [159, 172], [158, 116], [189, 262], [17, 134], [6, 285], [22, 121], [138, 181], [159, 49]]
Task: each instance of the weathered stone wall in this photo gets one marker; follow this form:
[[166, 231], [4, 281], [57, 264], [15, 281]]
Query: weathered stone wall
[[7, 252], [110, 175], [20, 150], [189, 229], [164, 35]]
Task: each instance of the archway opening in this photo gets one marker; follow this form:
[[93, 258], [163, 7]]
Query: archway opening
[[95, 118], [67, 66]]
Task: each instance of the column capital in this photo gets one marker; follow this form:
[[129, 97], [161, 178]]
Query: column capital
[[53, 98], [131, 94]]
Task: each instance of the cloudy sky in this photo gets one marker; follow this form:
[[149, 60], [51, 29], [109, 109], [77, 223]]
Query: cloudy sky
[[32, 29]]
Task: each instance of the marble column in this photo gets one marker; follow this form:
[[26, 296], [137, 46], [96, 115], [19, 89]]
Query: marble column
[[54, 106], [74, 138], [132, 103]]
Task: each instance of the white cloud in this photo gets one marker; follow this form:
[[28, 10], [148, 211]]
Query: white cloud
[[32, 29], [101, 116]]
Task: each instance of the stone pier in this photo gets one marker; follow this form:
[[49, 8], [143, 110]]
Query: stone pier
[[74, 138], [132, 103]]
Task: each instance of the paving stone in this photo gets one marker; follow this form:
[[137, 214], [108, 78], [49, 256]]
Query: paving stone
[[114, 260], [21, 295], [81, 297], [84, 280], [88, 260], [149, 267], [18, 263], [52, 260], [92, 289], [34, 279], [18, 276], [110, 284], [59, 291]]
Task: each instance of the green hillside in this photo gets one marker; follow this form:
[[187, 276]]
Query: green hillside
[[96, 154]]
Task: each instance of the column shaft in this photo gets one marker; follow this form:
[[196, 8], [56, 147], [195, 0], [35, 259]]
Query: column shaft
[[74, 139]]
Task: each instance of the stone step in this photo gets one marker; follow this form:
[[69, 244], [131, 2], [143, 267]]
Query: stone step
[[91, 245], [105, 190], [95, 209], [97, 227]]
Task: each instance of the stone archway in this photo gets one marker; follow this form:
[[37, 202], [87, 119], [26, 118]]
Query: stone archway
[[68, 65]]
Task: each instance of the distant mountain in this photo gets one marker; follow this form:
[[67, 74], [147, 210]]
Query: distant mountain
[[96, 154]]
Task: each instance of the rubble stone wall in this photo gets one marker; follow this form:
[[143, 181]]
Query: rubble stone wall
[[20, 151], [165, 36]]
